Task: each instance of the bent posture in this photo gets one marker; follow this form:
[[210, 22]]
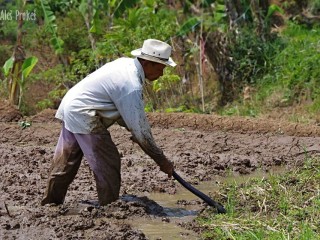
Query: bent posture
[[113, 93]]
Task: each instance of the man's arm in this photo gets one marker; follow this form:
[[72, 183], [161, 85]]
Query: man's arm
[[131, 108]]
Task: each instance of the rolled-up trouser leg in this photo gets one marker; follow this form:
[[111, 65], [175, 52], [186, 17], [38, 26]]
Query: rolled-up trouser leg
[[65, 165], [104, 160]]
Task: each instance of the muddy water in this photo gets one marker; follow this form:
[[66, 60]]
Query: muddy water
[[180, 207], [174, 210], [160, 229], [168, 227]]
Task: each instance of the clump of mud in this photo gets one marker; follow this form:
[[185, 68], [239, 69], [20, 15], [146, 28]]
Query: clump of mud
[[8, 112], [128, 206], [131, 205], [84, 220], [47, 115]]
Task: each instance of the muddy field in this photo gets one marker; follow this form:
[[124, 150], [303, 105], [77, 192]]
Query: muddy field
[[202, 148]]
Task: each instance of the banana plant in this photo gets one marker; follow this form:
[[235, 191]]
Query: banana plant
[[18, 77], [12, 67], [51, 26], [27, 67], [17, 68]]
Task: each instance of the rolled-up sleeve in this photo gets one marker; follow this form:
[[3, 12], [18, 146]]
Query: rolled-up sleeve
[[131, 109]]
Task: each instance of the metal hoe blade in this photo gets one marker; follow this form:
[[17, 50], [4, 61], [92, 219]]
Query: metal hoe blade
[[200, 194]]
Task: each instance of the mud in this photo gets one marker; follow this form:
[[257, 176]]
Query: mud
[[202, 147]]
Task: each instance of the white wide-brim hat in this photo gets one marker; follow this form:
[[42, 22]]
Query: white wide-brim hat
[[155, 51]]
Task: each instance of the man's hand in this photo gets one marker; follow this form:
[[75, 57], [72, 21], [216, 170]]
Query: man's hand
[[167, 167], [133, 139]]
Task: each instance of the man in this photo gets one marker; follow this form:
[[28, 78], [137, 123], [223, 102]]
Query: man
[[111, 94]]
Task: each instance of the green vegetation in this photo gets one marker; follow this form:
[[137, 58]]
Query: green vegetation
[[219, 55], [17, 76], [295, 70], [285, 206], [291, 77]]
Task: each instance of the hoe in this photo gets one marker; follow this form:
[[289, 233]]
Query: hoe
[[200, 194]]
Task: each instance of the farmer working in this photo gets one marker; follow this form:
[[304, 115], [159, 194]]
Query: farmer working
[[111, 94]]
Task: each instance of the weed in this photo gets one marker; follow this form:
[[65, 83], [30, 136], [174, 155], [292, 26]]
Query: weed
[[24, 124]]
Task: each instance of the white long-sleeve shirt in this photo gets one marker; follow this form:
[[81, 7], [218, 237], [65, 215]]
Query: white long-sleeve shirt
[[111, 93]]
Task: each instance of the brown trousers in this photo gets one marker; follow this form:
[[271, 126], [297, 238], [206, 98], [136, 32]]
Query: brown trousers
[[102, 156]]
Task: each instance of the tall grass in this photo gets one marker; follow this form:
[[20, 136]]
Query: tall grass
[[277, 207], [292, 76], [295, 73]]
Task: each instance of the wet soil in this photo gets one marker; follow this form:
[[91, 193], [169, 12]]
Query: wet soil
[[202, 148]]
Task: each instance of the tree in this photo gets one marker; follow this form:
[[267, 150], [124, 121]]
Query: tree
[[229, 51]]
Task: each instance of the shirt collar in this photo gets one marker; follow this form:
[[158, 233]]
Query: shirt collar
[[140, 70]]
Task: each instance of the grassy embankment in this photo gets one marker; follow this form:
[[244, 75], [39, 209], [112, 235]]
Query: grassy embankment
[[285, 206], [292, 79]]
